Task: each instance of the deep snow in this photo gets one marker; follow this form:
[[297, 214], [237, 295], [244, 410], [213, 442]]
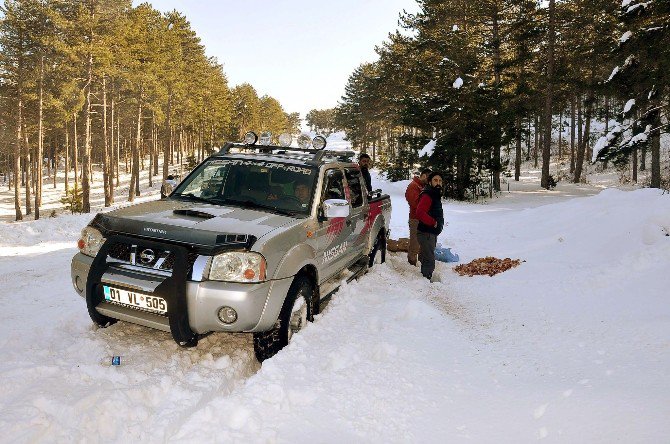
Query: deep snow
[[572, 346]]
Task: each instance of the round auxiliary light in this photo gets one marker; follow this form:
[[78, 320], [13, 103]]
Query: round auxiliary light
[[266, 138], [319, 142], [285, 140], [227, 315], [250, 138], [304, 141]]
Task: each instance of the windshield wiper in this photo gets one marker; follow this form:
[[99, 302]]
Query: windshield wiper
[[250, 203], [191, 196]]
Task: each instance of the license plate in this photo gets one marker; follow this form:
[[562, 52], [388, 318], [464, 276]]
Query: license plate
[[134, 299]]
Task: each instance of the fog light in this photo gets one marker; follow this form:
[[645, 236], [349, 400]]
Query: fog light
[[227, 315], [77, 284]]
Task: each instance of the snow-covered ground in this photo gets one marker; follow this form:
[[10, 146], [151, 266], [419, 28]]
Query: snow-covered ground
[[573, 345]]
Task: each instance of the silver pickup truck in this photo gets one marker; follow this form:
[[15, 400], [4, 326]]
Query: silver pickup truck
[[251, 241]]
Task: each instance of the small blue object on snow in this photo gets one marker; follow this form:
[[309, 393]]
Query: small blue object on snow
[[445, 255]]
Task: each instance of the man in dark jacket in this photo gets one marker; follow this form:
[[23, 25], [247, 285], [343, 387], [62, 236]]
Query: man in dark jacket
[[412, 194], [431, 221], [364, 162]]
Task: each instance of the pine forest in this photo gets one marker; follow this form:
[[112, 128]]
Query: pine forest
[[496, 83], [101, 85]]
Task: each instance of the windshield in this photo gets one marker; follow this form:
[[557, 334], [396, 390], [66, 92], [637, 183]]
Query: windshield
[[274, 186]]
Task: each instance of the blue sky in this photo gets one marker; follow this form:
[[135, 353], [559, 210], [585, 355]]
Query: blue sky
[[300, 52]]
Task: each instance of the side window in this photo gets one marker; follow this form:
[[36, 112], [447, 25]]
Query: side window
[[354, 182], [333, 185]]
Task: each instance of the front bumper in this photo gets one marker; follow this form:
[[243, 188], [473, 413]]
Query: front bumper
[[257, 305]]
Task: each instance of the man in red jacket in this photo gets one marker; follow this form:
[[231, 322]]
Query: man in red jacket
[[431, 221], [412, 197]]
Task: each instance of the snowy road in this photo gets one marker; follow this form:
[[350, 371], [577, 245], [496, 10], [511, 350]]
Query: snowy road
[[572, 346]]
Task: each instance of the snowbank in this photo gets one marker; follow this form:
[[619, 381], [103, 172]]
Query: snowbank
[[570, 346]]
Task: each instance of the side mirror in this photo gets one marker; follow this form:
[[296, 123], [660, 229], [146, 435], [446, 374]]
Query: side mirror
[[335, 208]]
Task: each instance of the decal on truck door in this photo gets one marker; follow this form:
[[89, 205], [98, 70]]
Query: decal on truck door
[[334, 252]]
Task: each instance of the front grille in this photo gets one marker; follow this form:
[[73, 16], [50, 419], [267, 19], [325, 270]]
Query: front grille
[[162, 260], [169, 261], [120, 251]]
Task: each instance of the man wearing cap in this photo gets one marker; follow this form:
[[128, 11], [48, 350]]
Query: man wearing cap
[[412, 197], [431, 221]]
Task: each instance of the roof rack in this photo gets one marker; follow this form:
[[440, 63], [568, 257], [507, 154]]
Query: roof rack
[[319, 155]]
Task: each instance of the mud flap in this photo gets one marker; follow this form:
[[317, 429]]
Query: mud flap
[[172, 289]]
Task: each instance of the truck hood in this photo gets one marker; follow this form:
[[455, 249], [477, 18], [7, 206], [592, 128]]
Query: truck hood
[[196, 223]]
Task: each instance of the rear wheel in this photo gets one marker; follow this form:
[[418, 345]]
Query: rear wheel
[[378, 253], [298, 309]]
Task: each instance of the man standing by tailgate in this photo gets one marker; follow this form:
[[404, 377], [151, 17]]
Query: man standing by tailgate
[[412, 196], [364, 162]]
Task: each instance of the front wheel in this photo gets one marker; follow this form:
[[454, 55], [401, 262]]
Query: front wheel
[[298, 309], [378, 253]]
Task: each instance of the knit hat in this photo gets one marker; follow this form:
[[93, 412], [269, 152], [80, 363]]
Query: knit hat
[[433, 174]]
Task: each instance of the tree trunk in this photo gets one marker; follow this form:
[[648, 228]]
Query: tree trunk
[[113, 160], [634, 154], [86, 160], [536, 147], [607, 126], [150, 170], [155, 143], [118, 149], [497, 67], [28, 167], [517, 161], [528, 141], [17, 152], [656, 149], [134, 189], [572, 135], [76, 150], [67, 160], [582, 149], [560, 134], [40, 146], [105, 155], [546, 152], [167, 144]]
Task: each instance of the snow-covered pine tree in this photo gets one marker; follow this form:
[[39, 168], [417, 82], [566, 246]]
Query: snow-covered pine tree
[[641, 76]]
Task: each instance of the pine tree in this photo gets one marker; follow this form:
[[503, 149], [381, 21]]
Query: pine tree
[[642, 74]]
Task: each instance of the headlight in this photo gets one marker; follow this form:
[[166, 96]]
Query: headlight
[[238, 266], [90, 242]]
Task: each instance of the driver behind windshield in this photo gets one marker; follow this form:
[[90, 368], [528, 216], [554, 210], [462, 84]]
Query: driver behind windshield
[[301, 191]]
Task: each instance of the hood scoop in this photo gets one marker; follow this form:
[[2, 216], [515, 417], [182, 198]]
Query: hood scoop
[[193, 213]]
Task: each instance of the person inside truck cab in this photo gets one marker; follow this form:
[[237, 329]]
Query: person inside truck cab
[[302, 192]]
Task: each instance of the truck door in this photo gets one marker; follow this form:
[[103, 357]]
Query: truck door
[[333, 234], [359, 211]]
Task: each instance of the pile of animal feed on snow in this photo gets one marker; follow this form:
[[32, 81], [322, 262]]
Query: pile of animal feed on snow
[[486, 266]]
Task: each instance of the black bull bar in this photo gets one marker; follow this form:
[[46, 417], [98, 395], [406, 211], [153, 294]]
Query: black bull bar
[[172, 289]]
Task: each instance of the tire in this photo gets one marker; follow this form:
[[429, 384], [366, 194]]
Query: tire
[[378, 253], [299, 307]]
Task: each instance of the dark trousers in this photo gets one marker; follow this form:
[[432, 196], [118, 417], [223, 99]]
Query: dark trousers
[[427, 242]]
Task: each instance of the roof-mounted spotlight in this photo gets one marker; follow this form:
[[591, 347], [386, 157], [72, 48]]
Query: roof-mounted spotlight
[[319, 142], [304, 141], [250, 138], [266, 138], [285, 140]]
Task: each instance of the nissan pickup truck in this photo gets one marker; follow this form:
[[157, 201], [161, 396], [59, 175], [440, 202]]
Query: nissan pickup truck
[[254, 240]]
